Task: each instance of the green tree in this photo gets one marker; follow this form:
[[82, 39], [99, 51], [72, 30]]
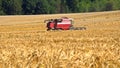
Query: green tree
[[64, 7], [73, 5], [12, 7], [118, 4], [84, 6], [114, 4], [42, 7], [52, 7], [96, 5], [29, 6], [92, 7], [55, 6], [109, 6], [1, 9]]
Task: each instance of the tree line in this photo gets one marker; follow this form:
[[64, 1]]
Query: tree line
[[29, 7]]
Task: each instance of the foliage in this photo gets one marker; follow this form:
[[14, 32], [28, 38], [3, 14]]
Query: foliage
[[1, 10], [42, 7], [29, 6], [14, 7]]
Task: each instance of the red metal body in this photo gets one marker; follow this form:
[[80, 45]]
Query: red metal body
[[64, 24]]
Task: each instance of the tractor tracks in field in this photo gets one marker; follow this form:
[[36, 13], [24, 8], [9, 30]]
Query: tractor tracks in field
[[17, 32], [105, 15]]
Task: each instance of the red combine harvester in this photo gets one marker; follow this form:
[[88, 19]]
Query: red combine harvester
[[63, 23]]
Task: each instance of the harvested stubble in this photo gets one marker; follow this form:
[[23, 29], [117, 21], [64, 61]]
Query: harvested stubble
[[26, 46]]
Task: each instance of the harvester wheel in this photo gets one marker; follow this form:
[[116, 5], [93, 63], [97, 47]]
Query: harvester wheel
[[72, 28], [48, 29], [59, 29]]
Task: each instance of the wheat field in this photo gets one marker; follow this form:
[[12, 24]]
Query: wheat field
[[25, 43]]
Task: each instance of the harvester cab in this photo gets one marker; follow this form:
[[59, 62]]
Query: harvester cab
[[63, 23]]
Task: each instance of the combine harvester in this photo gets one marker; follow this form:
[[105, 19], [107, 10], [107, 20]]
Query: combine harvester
[[63, 23]]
